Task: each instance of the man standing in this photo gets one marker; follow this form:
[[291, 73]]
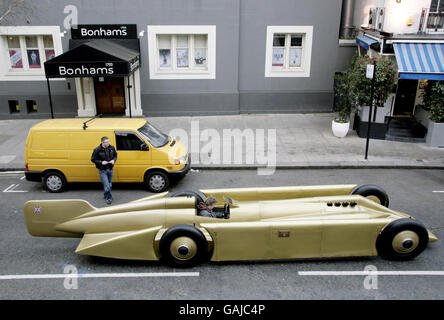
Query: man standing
[[104, 157]]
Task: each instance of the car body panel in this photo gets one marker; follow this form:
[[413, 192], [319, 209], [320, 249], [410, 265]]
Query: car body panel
[[291, 226]]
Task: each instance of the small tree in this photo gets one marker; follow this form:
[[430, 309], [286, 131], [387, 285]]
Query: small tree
[[344, 104], [353, 88], [361, 85], [434, 100]]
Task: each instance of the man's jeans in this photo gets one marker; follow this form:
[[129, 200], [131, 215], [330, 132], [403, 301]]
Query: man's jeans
[[106, 176]]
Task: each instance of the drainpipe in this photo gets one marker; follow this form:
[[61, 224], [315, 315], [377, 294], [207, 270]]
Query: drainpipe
[[347, 18]]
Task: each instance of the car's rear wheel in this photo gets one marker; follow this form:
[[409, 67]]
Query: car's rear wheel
[[54, 181], [183, 246], [374, 193], [402, 239], [157, 181]]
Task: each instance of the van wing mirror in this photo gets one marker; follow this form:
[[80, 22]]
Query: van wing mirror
[[144, 147]]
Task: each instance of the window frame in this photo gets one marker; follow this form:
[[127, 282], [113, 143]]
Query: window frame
[[174, 72], [286, 71], [117, 133], [7, 73]]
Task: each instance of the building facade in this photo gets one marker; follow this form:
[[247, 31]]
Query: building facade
[[196, 57], [411, 35]]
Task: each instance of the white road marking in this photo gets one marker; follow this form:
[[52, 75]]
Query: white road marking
[[11, 172], [12, 187], [22, 178], [438, 191], [98, 275], [366, 273]]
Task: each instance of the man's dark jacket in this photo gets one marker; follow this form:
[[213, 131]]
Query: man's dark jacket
[[104, 154]]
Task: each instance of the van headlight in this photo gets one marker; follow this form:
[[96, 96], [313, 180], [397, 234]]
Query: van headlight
[[181, 160]]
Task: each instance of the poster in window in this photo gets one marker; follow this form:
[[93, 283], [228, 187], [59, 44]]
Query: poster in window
[[278, 57], [165, 58], [33, 58], [182, 58], [295, 57], [49, 54], [200, 57], [16, 58]]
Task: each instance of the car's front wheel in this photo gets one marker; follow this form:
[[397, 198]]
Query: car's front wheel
[[402, 239], [183, 246]]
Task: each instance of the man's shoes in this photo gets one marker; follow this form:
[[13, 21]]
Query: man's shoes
[[109, 201]]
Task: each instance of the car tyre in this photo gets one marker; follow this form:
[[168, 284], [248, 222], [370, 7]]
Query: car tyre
[[54, 181], [183, 246], [373, 192], [402, 239], [157, 181]]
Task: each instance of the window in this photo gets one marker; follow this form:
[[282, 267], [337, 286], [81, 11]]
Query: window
[[128, 141], [15, 53], [437, 6], [436, 15], [154, 136], [288, 51], [14, 106], [181, 52], [24, 49], [31, 106]]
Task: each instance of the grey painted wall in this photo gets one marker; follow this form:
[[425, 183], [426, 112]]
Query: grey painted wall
[[240, 85]]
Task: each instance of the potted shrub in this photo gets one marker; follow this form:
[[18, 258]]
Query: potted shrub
[[360, 91], [342, 106], [434, 103]]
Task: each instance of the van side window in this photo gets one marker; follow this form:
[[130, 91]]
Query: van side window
[[128, 141]]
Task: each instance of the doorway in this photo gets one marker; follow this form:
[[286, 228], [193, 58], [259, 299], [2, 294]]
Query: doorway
[[110, 95], [405, 98]]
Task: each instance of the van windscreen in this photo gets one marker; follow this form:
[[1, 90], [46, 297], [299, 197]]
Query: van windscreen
[[154, 136]]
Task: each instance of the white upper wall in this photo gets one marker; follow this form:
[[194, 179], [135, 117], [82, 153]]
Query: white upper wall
[[396, 14]]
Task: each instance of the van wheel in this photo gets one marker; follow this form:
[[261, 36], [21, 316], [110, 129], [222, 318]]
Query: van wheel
[[183, 246], [374, 193], [54, 181], [157, 181]]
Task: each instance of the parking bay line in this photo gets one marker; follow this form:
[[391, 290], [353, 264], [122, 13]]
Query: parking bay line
[[99, 275], [12, 187], [368, 273]]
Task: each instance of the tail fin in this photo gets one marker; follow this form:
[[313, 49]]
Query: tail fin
[[42, 216]]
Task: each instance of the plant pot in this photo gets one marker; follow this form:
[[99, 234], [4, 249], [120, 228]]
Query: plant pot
[[422, 116], [339, 129], [435, 134]]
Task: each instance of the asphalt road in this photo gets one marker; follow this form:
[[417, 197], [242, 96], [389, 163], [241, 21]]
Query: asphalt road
[[412, 191]]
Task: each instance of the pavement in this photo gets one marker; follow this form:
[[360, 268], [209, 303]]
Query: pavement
[[29, 266], [302, 141]]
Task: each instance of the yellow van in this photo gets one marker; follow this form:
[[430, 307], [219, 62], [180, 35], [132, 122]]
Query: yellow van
[[58, 152]]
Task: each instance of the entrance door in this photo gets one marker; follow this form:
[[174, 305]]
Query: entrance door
[[110, 95], [405, 98]]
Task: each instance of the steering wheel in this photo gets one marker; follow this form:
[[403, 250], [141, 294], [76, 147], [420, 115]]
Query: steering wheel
[[226, 211]]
